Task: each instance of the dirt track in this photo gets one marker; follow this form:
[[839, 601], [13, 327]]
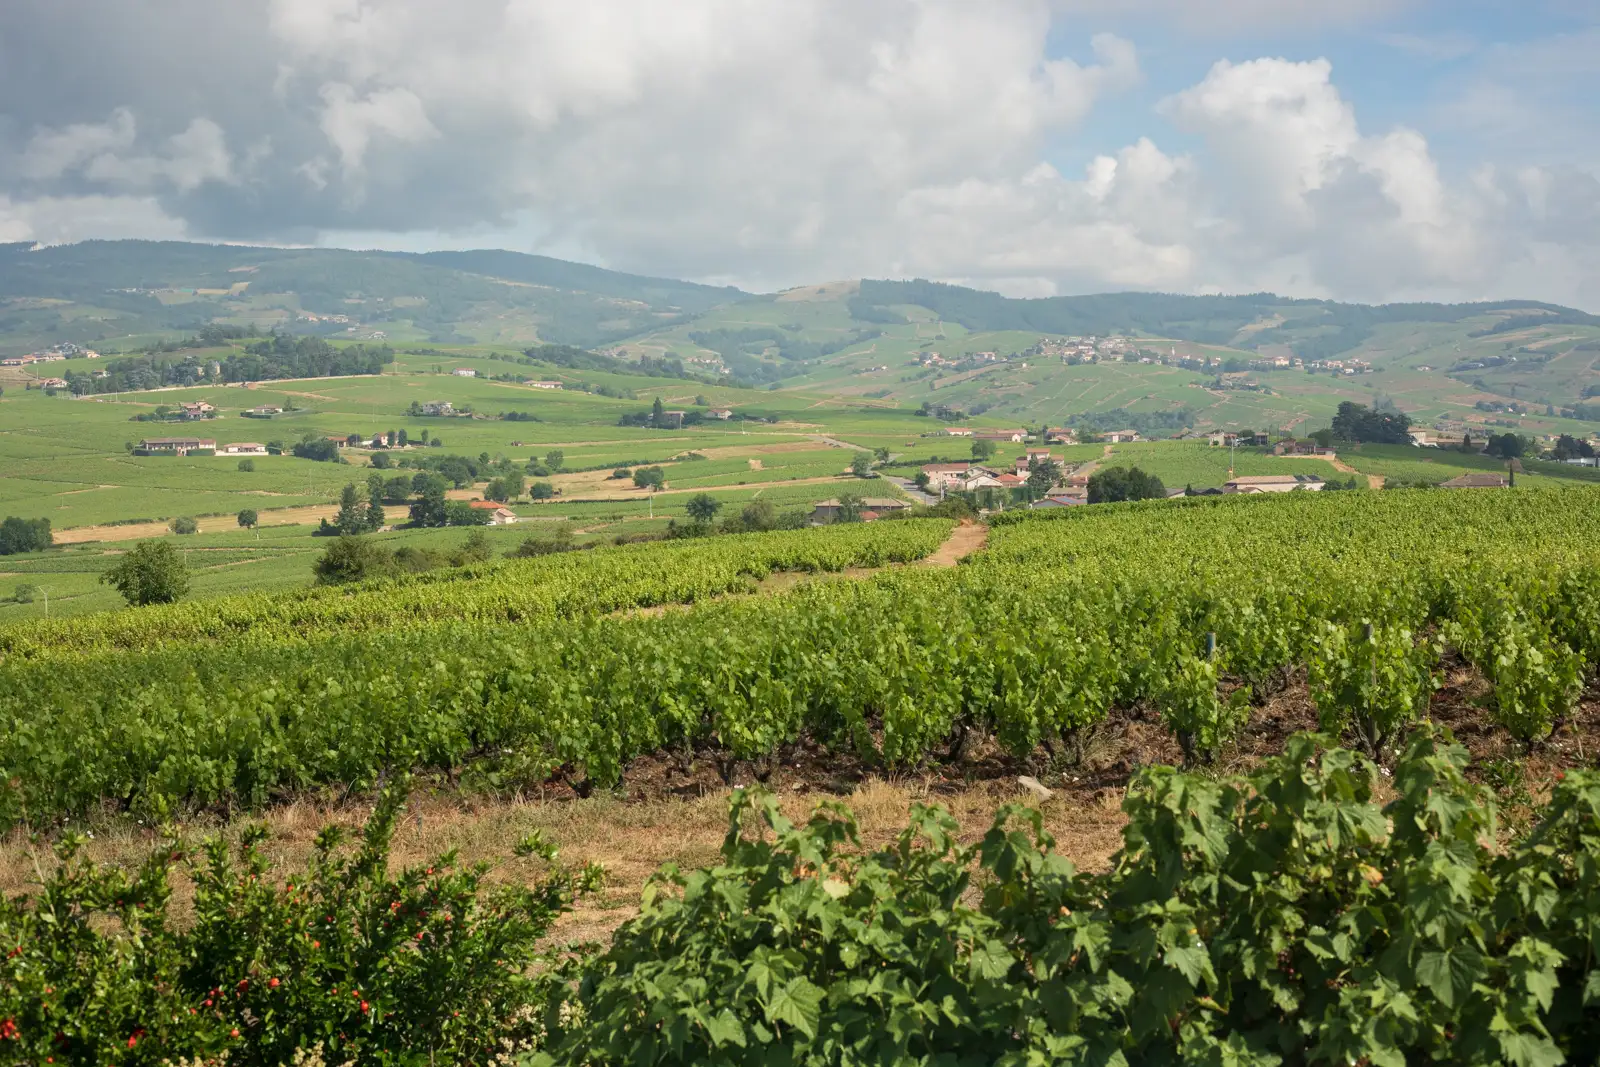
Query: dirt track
[[138, 531]]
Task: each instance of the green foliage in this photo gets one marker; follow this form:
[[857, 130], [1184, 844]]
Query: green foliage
[[343, 958], [1186, 690], [649, 478], [861, 465], [184, 525], [247, 465], [1359, 423], [1536, 676], [1283, 918], [24, 535], [1112, 484], [151, 572], [248, 518], [703, 507], [25, 593], [1374, 681], [542, 490], [352, 559]]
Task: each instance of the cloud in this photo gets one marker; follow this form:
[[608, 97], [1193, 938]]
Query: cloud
[[772, 142], [102, 153], [62, 220]]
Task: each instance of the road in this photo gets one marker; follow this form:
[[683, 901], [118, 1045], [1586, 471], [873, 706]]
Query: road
[[909, 487]]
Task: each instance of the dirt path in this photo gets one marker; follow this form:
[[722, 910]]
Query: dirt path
[[1375, 481], [964, 540], [138, 531]]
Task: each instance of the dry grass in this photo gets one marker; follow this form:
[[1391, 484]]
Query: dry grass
[[630, 840]]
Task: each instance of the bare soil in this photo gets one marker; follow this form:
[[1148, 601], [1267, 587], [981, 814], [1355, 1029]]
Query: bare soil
[[138, 531]]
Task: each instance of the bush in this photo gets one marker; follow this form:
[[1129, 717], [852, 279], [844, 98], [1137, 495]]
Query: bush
[[341, 962], [352, 559], [621, 473], [184, 526], [152, 572], [317, 448], [1372, 680], [1123, 483], [541, 491], [24, 535], [25, 593], [1287, 918], [247, 465], [248, 518]]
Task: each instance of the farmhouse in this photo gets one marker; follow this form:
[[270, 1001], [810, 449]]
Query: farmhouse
[[956, 431], [1477, 480], [198, 410], [1123, 437], [721, 413], [176, 446], [1061, 435], [464, 372], [871, 508], [943, 474], [674, 419], [499, 514], [244, 448], [265, 411], [1016, 437], [1272, 483], [53, 383], [1223, 440], [544, 385], [438, 407]]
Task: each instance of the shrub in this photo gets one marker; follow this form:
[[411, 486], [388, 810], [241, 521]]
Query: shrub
[[152, 572], [1372, 680], [184, 526], [24, 535], [247, 465], [352, 559], [247, 518], [25, 593], [343, 960]]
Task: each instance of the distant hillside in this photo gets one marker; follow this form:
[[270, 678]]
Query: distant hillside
[[1314, 329], [98, 291]]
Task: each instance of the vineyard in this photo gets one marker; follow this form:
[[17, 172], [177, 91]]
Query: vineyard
[[560, 585], [1187, 608], [1315, 912]]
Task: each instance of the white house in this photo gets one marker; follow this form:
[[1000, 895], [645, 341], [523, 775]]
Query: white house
[[544, 385], [1273, 483], [1122, 437], [244, 448], [721, 413], [464, 372]]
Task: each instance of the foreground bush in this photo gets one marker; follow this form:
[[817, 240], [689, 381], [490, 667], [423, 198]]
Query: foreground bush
[[1287, 919], [342, 958]]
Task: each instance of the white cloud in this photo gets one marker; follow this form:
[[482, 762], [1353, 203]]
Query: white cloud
[[350, 122], [64, 219], [102, 153]]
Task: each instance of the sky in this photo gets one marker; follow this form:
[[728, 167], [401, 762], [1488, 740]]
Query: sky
[[1365, 150]]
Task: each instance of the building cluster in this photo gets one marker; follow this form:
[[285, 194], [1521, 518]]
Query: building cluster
[[64, 351]]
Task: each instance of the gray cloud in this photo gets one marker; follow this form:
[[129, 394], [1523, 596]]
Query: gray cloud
[[766, 142]]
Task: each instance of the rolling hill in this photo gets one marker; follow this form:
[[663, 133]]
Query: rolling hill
[[1195, 360]]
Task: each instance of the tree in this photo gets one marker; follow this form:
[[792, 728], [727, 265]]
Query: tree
[[1042, 477], [496, 491], [350, 559], [351, 518], [555, 459], [430, 509], [184, 525], [658, 414], [152, 572], [317, 448], [1123, 483], [850, 507], [25, 593], [881, 455], [759, 515], [982, 450], [1507, 446], [1357, 422], [248, 518], [381, 462], [397, 490], [1466, 443], [24, 535], [923, 481], [475, 549], [462, 513], [541, 490], [621, 473], [649, 478], [374, 515], [400, 439], [1569, 447], [703, 507], [861, 465], [247, 465], [1323, 437]]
